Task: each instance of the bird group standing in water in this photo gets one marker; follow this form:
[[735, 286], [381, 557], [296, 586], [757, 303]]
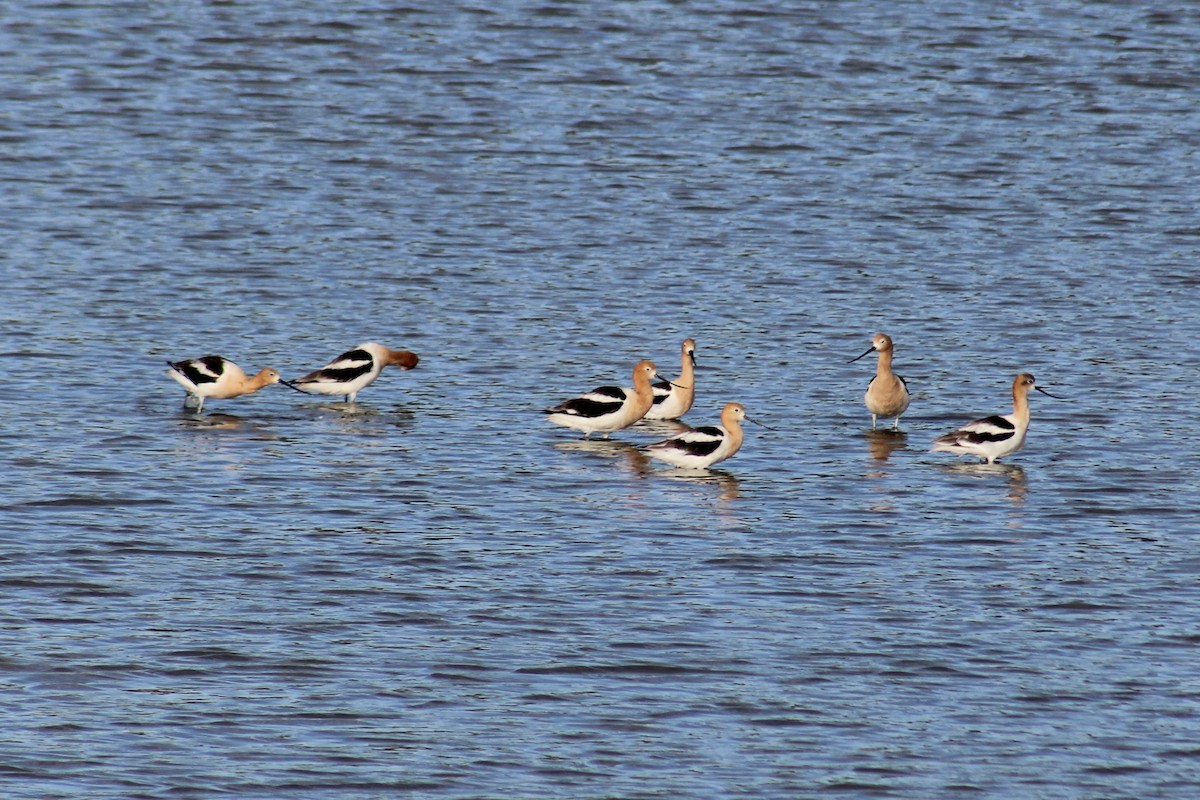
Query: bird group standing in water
[[989, 438], [347, 375], [608, 409]]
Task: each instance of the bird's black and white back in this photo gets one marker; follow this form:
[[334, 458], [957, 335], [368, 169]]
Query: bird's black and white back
[[698, 442], [995, 428], [346, 368], [198, 371], [596, 403]]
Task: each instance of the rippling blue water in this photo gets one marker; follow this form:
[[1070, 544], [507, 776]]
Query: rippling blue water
[[434, 592]]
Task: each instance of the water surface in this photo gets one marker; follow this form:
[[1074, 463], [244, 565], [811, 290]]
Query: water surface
[[435, 593]]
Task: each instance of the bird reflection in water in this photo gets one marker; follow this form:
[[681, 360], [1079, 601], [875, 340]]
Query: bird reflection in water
[[882, 443], [1014, 475], [626, 454], [221, 439], [212, 422], [633, 459], [726, 483], [346, 409], [356, 418]]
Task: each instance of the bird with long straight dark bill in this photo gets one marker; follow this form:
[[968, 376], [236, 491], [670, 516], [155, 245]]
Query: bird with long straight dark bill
[[216, 377], [353, 371], [702, 447], [887, 393], [673, 400], [996, 436], [608, 408]]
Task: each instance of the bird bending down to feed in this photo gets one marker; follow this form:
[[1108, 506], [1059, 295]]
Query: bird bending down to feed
[[608, 408], [702, 447], [672, 401], [216, 377], [887, 393], [353, 371], [994, 437]]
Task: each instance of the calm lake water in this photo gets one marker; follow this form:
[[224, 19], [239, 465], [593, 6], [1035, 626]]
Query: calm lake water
[[434, 593]]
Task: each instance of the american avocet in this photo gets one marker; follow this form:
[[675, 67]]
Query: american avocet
[[216, 377], [702, 447], [609, 408], [996, 436], [353, 371], [672, 400], [887, 393]]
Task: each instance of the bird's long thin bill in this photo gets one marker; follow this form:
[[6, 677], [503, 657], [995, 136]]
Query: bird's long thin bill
[[864, 355]]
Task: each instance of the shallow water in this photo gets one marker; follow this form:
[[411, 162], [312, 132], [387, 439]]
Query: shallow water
[[434, 593]]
